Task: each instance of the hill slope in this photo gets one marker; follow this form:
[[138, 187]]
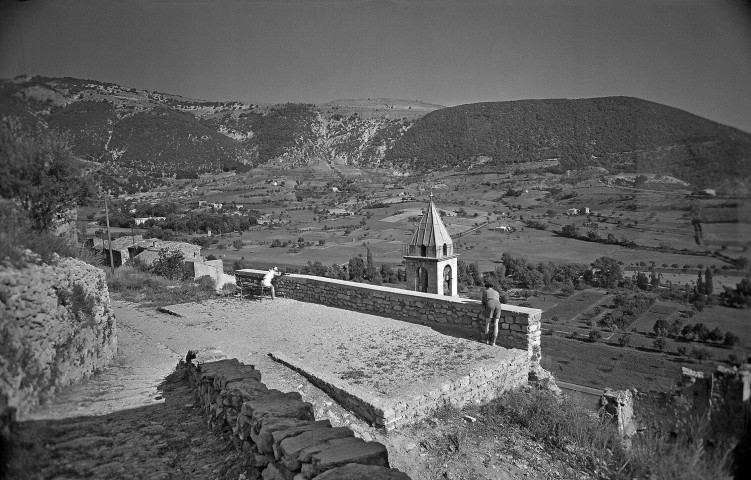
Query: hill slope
[[618, 133], [159, 133]]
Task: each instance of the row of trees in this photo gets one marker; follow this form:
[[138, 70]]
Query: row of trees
[[693, 333], [357, 270]]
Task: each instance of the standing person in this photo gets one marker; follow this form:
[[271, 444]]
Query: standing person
[[266, 283], [491, 300]]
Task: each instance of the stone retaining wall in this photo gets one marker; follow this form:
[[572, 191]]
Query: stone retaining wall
[[482, 382], [277, 431], [519, 327], [56, 327]]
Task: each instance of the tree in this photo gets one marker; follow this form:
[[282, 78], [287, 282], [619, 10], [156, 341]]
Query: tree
[[38, 170], [730, 339], [624, 340], [595, 335], [716, 335], [708, 282], [237, 244], [699, 353], [610, 272], [356, 269], [661, 327], [699, 284], [642, 281], [370, 270], [660, 343], [570, 231], [682, 350], [170, 264]]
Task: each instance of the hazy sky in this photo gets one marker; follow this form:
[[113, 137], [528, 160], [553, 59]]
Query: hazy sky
[[694, 55]]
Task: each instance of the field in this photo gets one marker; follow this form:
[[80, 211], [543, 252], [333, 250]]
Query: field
[[569, 309], [736, 320], [660, 310], [599, 365]]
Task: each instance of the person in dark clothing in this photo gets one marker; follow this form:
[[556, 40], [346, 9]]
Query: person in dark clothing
[[491, 300]]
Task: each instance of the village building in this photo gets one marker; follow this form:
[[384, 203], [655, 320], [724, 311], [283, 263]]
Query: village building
[[142, 220], [431, 263], [145, 250]]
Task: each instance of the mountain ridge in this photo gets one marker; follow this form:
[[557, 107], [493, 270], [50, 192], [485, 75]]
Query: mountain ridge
[[164, 134]]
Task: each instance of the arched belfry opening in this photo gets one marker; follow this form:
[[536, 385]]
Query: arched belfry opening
[[429, 256]]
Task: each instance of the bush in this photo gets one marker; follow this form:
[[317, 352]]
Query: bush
[[594, 335], [206, 282], [211, 257], [730, 339], [561, 425], [624, 340], [170, 264], [682, 350], [660, 343], [699, 353], [151, 290]]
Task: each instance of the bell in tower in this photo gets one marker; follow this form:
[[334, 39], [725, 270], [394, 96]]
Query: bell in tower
[[430, 258]]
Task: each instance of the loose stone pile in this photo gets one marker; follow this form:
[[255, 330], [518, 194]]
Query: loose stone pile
[[56, 327], [277, 432]]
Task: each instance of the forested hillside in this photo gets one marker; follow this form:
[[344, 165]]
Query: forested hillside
[[157, 134], [618, 133]]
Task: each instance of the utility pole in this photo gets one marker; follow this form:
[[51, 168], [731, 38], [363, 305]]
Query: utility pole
[[109, 237]]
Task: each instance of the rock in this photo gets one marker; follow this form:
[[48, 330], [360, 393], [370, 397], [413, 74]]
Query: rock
[[277, 405], [271, 472], [350, 450], [295, 450], [268, 426], [357, 471]]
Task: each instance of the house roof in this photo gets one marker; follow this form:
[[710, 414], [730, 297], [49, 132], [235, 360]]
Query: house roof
[[121, 243], [431, 231]]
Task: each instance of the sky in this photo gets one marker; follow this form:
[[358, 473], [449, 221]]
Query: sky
[[690, 54]]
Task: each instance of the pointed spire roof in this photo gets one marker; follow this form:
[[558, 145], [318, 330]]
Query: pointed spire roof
[[431, 231]]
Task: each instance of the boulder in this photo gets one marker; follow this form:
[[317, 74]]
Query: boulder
[[293, 450], [340, 452]]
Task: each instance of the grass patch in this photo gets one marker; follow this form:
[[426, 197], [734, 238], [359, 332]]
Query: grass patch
[[691, 452], [133, 285]]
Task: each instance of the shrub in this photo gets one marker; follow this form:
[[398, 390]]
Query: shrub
[[170, 264], [730, 339], [206, 282], [699, 353], [660, 343], [594, 335], [682, 350], [561, 425], [211, 257], [624, 340]]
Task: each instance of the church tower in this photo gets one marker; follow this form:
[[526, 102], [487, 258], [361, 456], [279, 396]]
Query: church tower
[[430, 258]]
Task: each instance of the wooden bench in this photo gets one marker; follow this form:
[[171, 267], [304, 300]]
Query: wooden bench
[[248, 285]]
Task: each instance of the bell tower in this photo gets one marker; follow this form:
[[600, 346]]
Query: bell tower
[[430, 258]]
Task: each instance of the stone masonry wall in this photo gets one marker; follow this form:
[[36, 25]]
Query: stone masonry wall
[[480, 384], [277, 431], [56, 327], [519, 327]]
